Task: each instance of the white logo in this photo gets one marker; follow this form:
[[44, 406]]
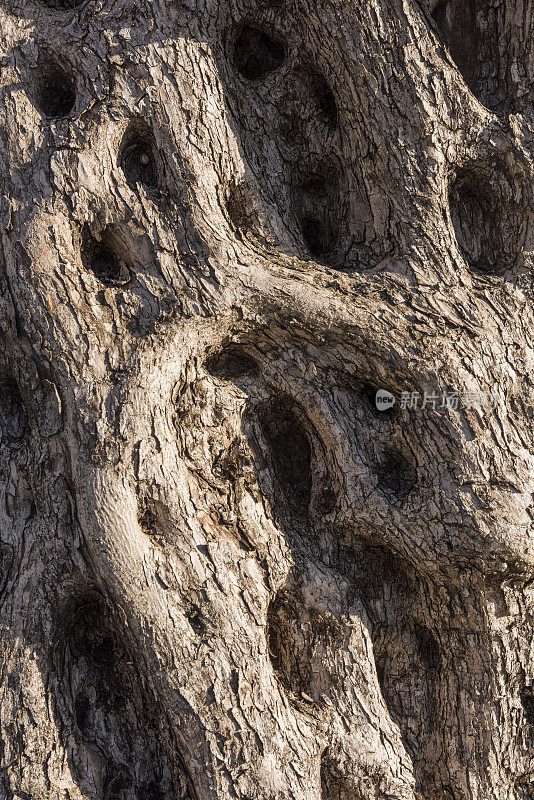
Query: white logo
[[384, 400]]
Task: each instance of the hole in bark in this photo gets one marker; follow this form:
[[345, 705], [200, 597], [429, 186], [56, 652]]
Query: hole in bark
[[324, 97], [105, 264], [137, 156], [289, 451], [428, 646], [527, 700], [91, 637], [486, 221], [240, 205], [94, 650], [471, 31], [291, 642], [231, 363], [297, 636], [54, 92], [278, 642], [229, 463], [81, 709], [12, 415], [456, 21], [396, 476], [381, 678], [196, 621], [334, 785], [148, 519], [317, 207], [102, 258], [326, 502], [315, 236], [256, 53], [409, 661], [111, 713]]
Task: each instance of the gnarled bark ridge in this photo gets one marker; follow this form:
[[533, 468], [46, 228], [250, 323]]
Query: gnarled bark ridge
[[225, 572]]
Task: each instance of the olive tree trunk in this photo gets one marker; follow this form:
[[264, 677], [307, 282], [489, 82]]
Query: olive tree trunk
[[230, 569]]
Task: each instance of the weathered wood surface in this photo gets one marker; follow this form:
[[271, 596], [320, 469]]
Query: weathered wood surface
[[225, 574]]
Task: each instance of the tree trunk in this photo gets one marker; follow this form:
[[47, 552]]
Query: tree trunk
[[228, 569]]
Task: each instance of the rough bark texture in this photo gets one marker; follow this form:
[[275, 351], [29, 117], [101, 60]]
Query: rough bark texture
[[225, 574]]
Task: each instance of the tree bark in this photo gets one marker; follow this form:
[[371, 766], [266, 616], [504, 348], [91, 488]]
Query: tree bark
[[226, 573]]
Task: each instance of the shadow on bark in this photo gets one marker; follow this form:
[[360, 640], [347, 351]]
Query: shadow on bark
[[120, 747], [137, 156], [472, 31], [487, 217], [51, 88]]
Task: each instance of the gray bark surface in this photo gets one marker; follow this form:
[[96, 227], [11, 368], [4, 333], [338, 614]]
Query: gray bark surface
[[224, 573]]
